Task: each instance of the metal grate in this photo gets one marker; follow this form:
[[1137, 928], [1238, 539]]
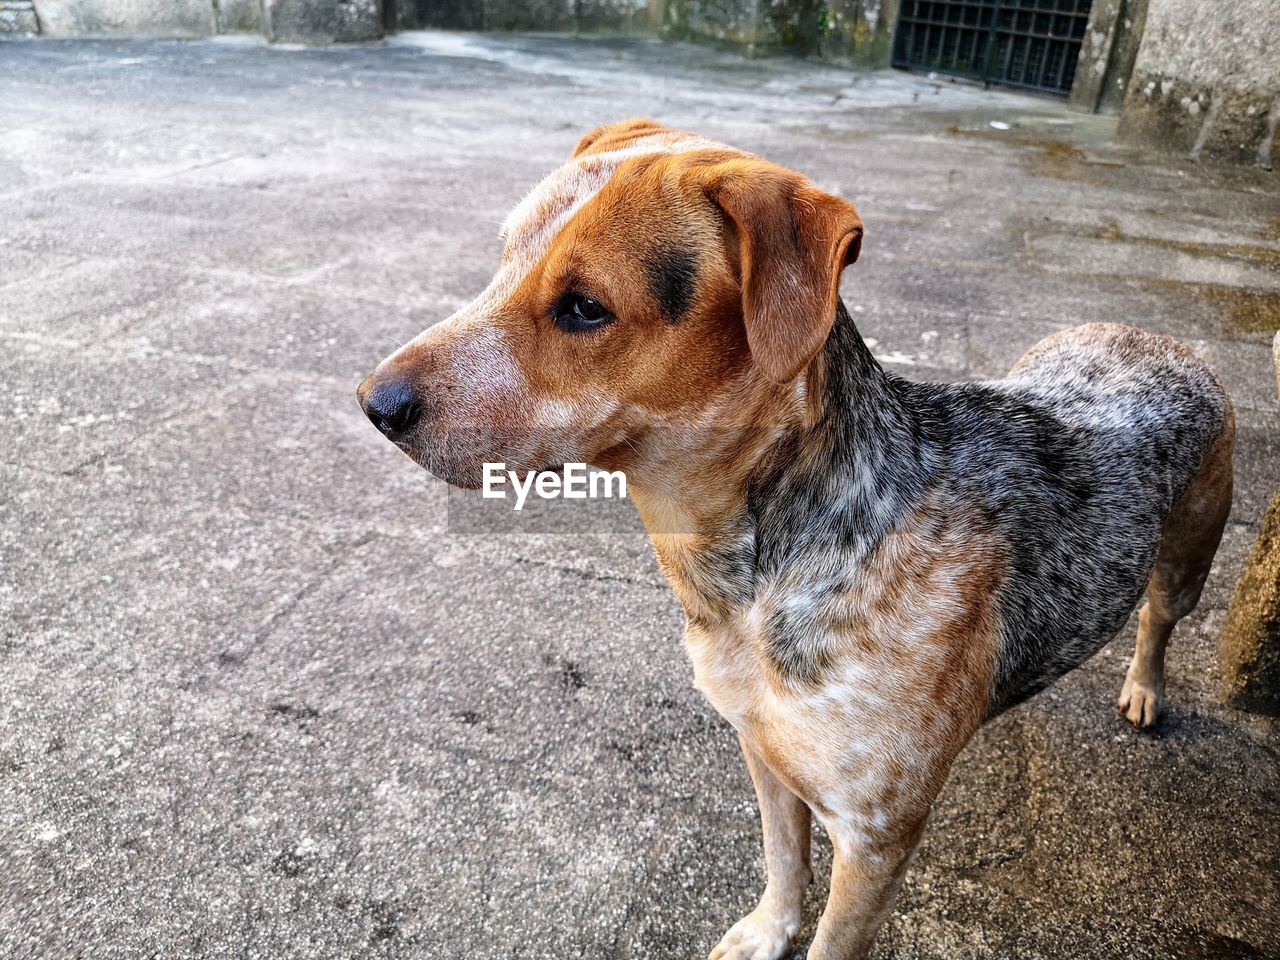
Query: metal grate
[[1032, 44]]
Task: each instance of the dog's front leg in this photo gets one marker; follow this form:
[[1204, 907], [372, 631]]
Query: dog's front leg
[[866, 870], [767, 932]]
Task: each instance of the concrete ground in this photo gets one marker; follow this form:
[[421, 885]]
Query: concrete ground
[[256, 701]]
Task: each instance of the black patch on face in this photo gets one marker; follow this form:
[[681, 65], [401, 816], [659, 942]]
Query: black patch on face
[[672, 274]]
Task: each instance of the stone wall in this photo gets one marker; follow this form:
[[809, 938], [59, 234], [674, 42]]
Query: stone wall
[[624, 16], [288, 21], [18, 18], [239, 16], [1207, 80], [733, 22], [126, 18], [1249, 645], [1108, 53], [319, 21], [846, 31], [859, 32], [322, 21]]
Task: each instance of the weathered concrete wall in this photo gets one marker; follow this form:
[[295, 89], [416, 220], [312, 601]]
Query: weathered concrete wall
[[636, 16], [238, 16], [1207, 80], [125, 18], [733, 22], [846, 31], [1249, 647], [442, 14], [859, 32], [559, 15], [1108, 53], [322, 21], [18, 18]]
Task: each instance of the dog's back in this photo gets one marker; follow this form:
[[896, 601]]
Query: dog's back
[[1078, 458]]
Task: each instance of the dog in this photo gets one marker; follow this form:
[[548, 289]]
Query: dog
[[870, 567]]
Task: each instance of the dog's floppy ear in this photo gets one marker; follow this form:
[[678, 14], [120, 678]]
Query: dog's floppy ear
[[793, 242], [611, 136]]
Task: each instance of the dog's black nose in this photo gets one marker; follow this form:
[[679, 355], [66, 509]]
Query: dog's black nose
[[391, 405]]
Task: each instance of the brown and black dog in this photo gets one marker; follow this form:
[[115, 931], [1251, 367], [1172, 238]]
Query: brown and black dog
[[870, 567]]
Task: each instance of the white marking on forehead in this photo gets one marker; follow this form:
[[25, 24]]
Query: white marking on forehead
[[552, 203]]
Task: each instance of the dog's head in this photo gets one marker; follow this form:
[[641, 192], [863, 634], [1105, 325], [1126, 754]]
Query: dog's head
[[638, 281]]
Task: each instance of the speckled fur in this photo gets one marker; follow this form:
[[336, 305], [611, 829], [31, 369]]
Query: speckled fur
[[1072, 464], [1047, 492], [870, 567]]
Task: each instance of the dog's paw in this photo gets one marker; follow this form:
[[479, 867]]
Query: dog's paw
[[1140, 702], [760, 935]]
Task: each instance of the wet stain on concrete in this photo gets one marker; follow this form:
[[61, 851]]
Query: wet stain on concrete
[[1241, 310], [569, 674], [386, 921], [1263, 256], [1244, 311], [288, 864], [299, 713], [572, 677], [1047, 157], [384, 917]]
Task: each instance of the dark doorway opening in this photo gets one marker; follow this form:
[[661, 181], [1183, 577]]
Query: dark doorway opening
[[1030, 44], [439, 14]]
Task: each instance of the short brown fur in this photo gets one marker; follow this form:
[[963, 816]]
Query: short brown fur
[[690, 407]]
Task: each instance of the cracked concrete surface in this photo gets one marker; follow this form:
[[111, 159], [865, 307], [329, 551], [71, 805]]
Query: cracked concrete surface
[[255, 701]]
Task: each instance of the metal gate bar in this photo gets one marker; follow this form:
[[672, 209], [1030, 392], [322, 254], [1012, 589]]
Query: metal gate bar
[[1031, 44]]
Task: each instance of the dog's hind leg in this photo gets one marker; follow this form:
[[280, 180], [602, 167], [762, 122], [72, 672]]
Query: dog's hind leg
[[767, 932], [1190, 539]]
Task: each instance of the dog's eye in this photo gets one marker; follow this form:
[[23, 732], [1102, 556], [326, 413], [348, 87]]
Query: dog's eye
[[575, 313]]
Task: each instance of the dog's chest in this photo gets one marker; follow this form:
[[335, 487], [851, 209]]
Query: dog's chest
[[793, 659], [861, 655], [728, 666]]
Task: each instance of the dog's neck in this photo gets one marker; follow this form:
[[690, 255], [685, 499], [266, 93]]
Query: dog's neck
[[829, 463]]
